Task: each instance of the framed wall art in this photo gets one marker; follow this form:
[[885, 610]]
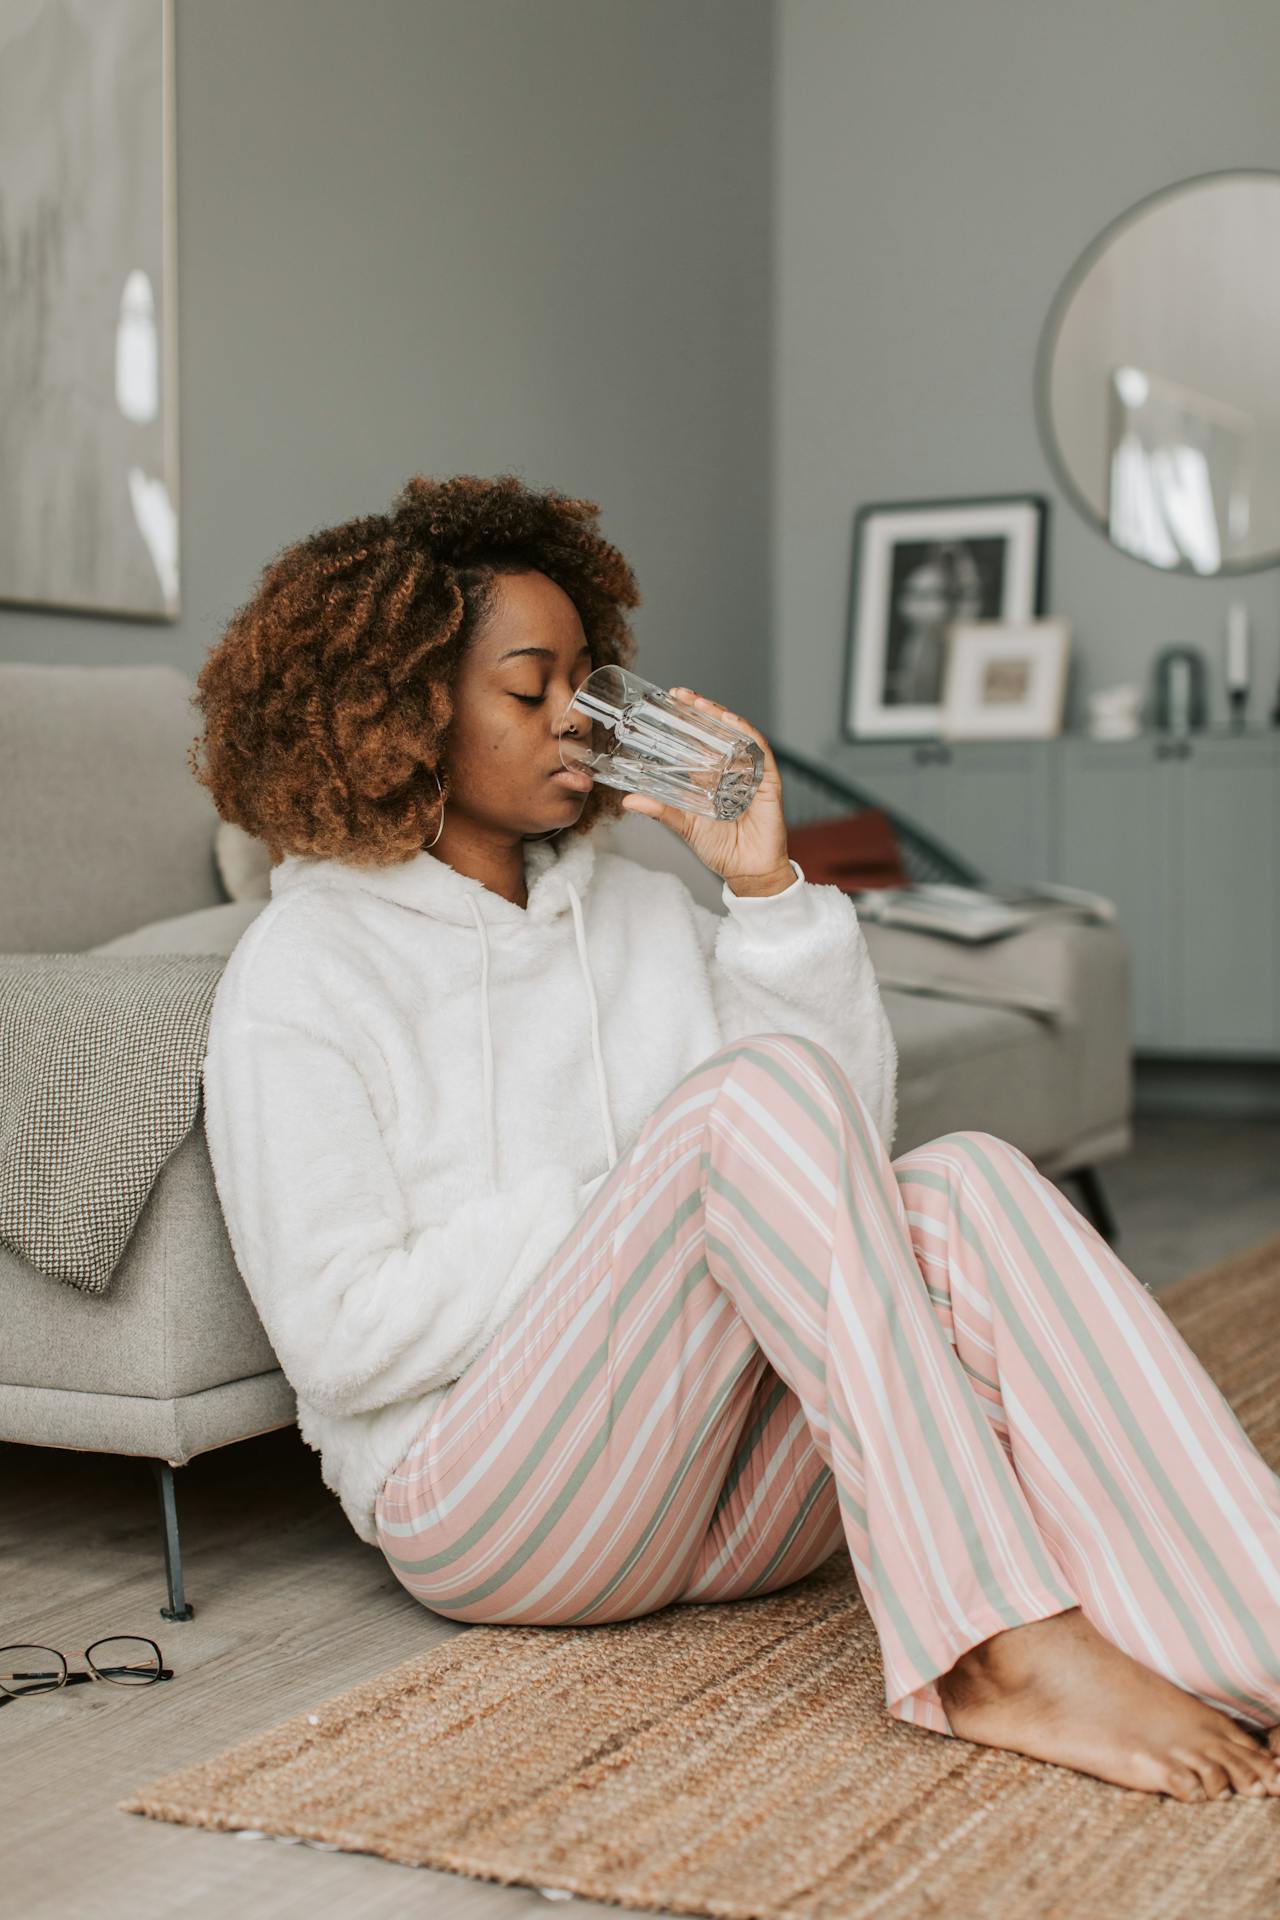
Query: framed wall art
[[1005, 679], [919, 565], [88, 355]]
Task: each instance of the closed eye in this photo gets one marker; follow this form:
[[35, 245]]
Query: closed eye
[[530, 699]]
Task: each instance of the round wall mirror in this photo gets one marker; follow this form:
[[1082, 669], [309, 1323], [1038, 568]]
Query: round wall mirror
[[1156, 390]]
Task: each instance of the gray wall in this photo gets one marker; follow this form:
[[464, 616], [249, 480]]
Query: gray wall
[[940, 168], [437, 236]]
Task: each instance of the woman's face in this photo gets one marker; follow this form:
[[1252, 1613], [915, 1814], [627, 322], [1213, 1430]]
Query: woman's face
[[521, 670]]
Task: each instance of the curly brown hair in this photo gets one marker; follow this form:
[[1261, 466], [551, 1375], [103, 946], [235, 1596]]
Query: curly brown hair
[[328, 698]]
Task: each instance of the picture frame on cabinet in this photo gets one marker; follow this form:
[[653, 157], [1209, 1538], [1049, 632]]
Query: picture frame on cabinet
[[1005, 679], [918, 566]]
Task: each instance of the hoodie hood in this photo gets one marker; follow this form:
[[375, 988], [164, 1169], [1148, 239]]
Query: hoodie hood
[[557, 875]]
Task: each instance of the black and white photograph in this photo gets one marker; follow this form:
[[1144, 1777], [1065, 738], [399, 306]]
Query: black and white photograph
[[918, 568]]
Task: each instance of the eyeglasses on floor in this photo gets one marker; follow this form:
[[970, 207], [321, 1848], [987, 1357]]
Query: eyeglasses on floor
[[123, 1660]]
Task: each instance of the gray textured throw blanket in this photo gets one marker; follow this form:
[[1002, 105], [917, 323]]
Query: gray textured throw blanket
[[100, 1060]]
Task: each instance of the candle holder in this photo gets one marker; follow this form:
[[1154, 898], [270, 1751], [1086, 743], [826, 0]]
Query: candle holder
[[1237, 663]]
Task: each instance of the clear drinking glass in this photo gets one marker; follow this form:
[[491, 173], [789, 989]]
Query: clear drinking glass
[[638, 736]]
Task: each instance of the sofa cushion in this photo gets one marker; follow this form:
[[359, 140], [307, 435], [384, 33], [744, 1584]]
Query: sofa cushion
[[209, 930], [995, 1068], [243, 862], [104, 826]]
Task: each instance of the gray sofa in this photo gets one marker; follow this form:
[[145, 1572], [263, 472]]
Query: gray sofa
[[110, 844]]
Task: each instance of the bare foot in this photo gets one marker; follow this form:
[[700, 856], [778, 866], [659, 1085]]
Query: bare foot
[[1059, 1690]]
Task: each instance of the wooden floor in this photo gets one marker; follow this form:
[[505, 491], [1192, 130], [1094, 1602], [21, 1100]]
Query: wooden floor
[[1193, 1191], [291, 1608]]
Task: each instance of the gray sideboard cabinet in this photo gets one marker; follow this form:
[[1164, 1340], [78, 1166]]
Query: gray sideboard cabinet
[[1184, 836]]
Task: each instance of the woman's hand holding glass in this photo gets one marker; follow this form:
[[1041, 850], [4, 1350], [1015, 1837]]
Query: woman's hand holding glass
[[749, 851]]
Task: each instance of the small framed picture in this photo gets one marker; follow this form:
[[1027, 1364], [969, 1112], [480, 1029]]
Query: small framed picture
[[1005, 679], [919, 565]]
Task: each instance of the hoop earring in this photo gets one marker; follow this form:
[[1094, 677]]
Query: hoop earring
[[440, 828]]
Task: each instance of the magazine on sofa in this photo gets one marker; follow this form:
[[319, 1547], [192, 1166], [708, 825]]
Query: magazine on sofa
[[977, 913]]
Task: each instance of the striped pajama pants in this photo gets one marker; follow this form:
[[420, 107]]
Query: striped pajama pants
[[763, 1337]]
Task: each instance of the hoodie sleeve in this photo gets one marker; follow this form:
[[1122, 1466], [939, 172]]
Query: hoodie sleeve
[[797, 962], [362, 1307]]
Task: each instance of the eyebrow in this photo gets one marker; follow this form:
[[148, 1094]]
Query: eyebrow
[[543, 653]]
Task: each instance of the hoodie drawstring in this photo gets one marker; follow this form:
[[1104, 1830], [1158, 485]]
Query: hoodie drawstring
[[486, 1046], [486, 1037], [606, 1117]]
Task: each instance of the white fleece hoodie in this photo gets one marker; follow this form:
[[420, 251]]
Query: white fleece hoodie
[[413, 1087]]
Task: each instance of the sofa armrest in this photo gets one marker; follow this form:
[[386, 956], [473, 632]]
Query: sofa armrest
[[1039, 970], [1072, 973]]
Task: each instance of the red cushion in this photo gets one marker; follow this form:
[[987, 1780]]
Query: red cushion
[[854, 851]]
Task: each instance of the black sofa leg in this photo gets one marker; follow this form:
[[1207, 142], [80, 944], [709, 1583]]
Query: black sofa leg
[[178, 1608], [1095, 1203]]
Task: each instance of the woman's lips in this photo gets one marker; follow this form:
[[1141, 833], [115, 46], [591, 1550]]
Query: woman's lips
[[577, 779]]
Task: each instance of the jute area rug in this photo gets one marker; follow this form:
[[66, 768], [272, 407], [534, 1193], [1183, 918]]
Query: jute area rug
[[736, 1760]]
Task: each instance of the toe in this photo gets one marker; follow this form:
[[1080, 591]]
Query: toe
[[1213, 1776], [1264, 1761], [1265, 1769], [1248, 1770], [1183, 1782], [1241, 1737]]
